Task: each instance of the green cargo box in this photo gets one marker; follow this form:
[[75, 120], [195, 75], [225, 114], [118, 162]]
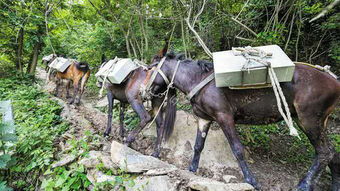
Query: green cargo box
[[229, 70], [116, 70]]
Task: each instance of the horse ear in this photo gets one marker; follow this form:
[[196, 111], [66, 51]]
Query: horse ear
[[163, 52], [103, 58]]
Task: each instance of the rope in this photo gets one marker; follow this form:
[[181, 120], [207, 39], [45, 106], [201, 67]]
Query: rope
[[166, 95], [326, 68], [108, 72], [248, 52]]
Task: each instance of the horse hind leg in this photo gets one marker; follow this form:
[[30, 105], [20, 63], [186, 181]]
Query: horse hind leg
[[313, 123], [68, 84]]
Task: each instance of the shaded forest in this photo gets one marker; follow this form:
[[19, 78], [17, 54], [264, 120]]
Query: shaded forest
[[89, 29]]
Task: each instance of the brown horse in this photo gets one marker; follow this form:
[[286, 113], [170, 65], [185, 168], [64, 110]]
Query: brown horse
[[78, 73], [129, 92], [311, 96]]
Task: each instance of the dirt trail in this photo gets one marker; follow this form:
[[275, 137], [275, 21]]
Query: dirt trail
[[271, 175]]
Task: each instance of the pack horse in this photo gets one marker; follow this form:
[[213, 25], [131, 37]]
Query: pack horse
[[311, 96], [73, 71]]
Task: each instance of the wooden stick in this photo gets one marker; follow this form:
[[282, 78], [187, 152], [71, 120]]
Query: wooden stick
[[238, 22], [325, 10]]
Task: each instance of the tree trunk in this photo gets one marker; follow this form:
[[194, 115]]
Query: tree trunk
[[36, 51], [19, 50]]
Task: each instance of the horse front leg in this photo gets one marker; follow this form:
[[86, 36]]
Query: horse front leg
[[160, 126], [121, 120], [226, 121], [145, 118], [109, 113], [76, 89], [202, 132]]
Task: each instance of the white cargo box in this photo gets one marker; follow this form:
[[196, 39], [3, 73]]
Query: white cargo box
[[229, 70], [61, 64], [116, 70], [48, 58]]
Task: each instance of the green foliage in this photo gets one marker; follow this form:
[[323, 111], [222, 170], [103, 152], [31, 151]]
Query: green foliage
[[38, 124], [122, 180], [66, 179]]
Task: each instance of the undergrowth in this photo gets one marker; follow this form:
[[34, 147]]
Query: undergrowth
[[38, 124]]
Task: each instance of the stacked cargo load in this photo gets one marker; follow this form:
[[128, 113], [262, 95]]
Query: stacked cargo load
[[115, 71], [234, 68]]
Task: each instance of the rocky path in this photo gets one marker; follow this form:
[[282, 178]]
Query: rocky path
[[151, 174]]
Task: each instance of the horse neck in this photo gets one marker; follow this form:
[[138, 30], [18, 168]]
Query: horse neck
[[187, 76]]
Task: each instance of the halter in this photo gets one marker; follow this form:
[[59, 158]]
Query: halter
[[146, 90]]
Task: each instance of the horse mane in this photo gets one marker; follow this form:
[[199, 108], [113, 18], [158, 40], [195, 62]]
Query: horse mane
[[82, 66], [204, 65]]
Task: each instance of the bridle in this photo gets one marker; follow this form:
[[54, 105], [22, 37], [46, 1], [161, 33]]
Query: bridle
[[146, 90]]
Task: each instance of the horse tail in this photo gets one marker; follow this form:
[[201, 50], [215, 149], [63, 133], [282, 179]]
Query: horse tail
[[82, 66], [170, 114]]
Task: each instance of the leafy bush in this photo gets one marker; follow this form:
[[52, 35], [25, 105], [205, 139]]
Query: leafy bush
[[38, 125], [70, 178]]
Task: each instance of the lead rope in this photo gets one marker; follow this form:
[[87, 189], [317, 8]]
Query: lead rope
[[166, 95], [246, 52]]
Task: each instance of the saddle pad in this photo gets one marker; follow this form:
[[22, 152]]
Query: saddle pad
[[229, 68], [61, 64], [116, 70]]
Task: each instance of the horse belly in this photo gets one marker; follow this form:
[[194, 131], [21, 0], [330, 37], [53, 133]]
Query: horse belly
[[257, 110]]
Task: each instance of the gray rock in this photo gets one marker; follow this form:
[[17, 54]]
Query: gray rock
[[159, 171], [204, 184], [216, 152], [229, 178], [96, 176], [133, 161], [65, 160], [102, 102], [94, 158], [155, 183], [240, 187]]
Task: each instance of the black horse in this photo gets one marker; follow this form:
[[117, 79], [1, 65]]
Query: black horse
[[129, 92], [311, 96]]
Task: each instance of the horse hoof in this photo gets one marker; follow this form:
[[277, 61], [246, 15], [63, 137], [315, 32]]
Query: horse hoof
[[106, 134], [155, 154], [254, 183], [192, 169]]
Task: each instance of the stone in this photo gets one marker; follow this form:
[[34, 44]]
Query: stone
[[216, 152], [133, 161], [95, 176], [154, 183], [204, 184], [229, 178], [94, 158], [240, 187], [102, 102], [65, 160], [159, 171]]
